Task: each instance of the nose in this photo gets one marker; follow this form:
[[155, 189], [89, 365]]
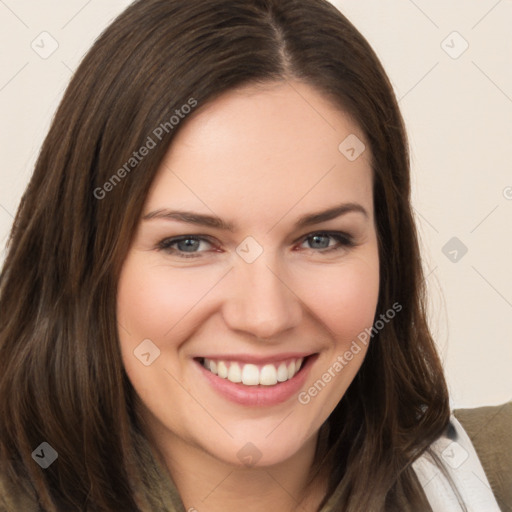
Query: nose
[[262, 302]]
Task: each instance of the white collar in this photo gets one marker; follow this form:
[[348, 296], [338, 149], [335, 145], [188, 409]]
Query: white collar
[[461, 461]]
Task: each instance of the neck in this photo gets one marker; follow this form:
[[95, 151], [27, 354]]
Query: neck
[[207, 483]]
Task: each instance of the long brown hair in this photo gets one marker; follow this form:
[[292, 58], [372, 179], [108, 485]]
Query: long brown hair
[[61, 374]]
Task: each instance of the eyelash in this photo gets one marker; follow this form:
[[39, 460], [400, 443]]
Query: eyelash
[[343, 240]]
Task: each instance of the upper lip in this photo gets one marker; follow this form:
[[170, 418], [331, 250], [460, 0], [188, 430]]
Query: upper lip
[[254, 359]]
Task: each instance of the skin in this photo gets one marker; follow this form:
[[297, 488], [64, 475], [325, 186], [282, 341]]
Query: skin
[[259, 157]]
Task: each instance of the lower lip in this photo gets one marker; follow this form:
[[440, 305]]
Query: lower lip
[[259, 395]]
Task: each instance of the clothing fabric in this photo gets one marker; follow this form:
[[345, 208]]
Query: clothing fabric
[[463, 465], [490, 431]]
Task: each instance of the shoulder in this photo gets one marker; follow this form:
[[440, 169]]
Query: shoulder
[[490, 432], [451, 473]]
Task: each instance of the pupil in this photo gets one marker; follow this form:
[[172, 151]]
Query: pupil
[[317, 237], [188, 244]]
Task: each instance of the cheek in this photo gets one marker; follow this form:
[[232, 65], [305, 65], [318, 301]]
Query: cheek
[[152, 300], [358, 299], [345, 303], [345, 297]]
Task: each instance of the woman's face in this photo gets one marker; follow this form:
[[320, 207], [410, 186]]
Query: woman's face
[[254, 279]]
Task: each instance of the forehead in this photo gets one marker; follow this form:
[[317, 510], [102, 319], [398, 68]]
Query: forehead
[[265, 149]]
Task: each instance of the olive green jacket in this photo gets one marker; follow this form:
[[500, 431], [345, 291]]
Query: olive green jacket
[[489, 429]]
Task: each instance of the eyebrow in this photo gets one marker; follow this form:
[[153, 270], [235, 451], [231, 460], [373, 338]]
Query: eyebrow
[[213, 221]]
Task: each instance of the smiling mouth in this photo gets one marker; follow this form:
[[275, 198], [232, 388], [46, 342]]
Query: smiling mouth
[[248, 374]]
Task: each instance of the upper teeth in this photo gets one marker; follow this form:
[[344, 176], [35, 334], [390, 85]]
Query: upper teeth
[[251, 374]]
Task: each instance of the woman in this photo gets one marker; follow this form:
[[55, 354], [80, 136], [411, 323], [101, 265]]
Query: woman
[[213, 295]]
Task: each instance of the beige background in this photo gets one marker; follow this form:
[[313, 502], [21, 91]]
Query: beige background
[[458, 110]]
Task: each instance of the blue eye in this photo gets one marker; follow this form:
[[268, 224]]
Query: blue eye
[[342, 239], [187, 246]]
